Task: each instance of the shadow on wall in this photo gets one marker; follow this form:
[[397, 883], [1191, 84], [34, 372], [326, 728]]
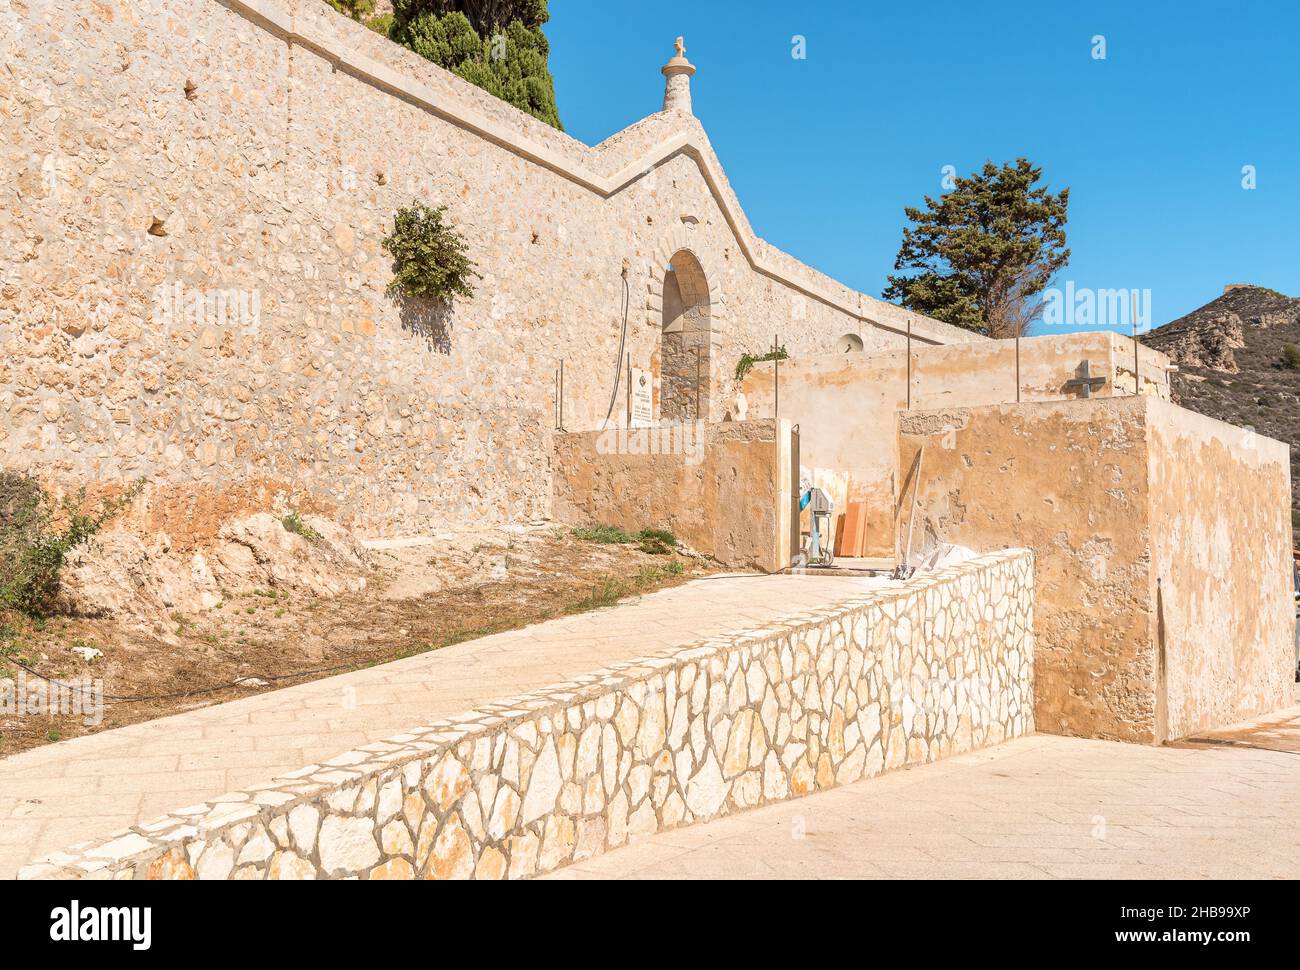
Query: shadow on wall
[[427, 319]]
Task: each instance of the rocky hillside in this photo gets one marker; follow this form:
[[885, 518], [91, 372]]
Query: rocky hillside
[[1239, 361]]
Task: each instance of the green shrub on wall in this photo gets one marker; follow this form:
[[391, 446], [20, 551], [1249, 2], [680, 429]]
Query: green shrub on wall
[[430, 257], [495, 44], [747, 360]]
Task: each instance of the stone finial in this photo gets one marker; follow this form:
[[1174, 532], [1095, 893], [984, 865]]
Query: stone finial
[[677, 89]]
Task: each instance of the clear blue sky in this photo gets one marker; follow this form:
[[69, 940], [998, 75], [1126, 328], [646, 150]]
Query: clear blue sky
[[825, 152]]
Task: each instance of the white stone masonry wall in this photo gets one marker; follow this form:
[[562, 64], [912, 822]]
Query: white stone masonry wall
[[933, 667]]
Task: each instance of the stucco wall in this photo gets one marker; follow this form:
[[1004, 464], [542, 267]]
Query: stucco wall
[[846, 404], [1140, 514], [907, 675], [268, 143], [720, 488], [1221, 554]]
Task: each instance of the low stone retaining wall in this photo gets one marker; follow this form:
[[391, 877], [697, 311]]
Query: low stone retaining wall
[[915, 672]]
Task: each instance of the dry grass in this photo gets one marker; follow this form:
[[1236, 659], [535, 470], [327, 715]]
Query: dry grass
[[286, 639]]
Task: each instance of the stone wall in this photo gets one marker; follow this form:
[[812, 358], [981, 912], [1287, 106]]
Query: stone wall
[[720, 488], [905, 675], [1162, 546], [846, 403], [192, 288]]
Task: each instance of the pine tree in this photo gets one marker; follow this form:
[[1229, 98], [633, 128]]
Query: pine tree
[[496, 44], [982, 252]]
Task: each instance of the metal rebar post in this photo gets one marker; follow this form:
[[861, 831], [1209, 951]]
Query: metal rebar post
[[1137, 367], [1017, 368], [776, 376], [909, 363]]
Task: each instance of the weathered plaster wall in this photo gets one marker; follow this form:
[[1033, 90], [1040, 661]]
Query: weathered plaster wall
[[1068, 480], [931, 668], [846, 404], [268, 144], [1139, 513], [1221, 554], [719, 489]]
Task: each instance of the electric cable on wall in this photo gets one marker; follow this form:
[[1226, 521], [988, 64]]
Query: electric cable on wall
[[622, 343]]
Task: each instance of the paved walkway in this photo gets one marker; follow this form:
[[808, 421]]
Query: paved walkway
[[1033, 808], [92, 786]]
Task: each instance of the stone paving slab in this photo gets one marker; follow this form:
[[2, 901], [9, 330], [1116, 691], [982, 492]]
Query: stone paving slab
[[1032, 808], [91, 786]]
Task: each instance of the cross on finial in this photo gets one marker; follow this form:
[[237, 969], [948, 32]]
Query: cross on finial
[[681, 46]]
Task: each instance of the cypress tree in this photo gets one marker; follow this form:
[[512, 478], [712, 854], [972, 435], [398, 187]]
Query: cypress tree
[[495, 44]]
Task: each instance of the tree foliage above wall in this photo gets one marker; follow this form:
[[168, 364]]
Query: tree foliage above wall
[[981, 254], [496, 44], [363, 11]]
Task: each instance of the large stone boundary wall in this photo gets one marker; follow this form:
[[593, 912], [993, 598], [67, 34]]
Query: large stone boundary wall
[[1163, 545], [726, 490], [846, 404], [192, 287], [939, 665]]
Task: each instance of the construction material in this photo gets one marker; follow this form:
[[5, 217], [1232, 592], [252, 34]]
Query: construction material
[[851, 535], [905, 568]]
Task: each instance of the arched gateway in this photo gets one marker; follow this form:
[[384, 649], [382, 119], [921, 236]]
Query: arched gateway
[[685, 309]]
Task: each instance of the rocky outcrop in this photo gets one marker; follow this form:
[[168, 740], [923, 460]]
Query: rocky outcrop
[[1208, 338], [121, 575], [1233, 365]]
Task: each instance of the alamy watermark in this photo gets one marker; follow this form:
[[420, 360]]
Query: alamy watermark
[[176, 305], [1081, 306], [38, 697], [685, 438], [75, 923]]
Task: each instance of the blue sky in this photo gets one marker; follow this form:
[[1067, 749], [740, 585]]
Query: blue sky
[[825, 152]]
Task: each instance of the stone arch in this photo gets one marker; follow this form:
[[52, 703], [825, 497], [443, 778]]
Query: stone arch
[[685, 308], [850, 343]]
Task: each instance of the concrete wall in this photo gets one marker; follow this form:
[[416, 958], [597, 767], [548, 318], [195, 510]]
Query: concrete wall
[[846, 404], [1221, 555], [720, 488], [268, 143], [931, 668], [1151, 526]]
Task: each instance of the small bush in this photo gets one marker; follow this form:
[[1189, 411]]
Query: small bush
[[293, 523], [610, 589], [430, 257], [1291, 356], [655, 542], [356, 9], [363, 12], [605, 534], [36, 535]]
